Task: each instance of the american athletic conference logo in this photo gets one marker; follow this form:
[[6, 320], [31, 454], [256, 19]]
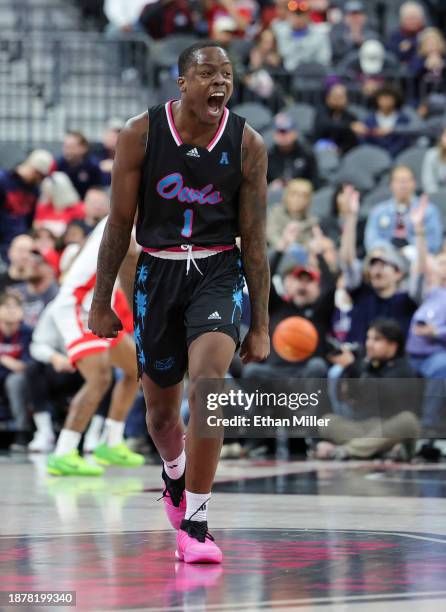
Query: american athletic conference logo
[[164, 364]]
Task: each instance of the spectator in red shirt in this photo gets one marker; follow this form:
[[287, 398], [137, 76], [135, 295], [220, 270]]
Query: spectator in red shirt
[[60, 203]]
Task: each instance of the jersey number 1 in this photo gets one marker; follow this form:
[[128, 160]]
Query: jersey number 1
[[188, 220]]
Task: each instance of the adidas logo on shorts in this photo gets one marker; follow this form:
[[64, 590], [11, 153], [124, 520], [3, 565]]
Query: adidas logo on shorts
[[214, 316], [193, 153]]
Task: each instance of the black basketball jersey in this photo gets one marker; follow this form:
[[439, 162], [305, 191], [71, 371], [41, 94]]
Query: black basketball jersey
[[189, 194]]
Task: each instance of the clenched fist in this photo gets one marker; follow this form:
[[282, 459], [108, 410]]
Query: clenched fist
[[103, 322]]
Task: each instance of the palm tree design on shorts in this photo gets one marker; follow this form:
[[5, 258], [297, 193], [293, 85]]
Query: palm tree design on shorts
[[142, 275], [237, 300], [141, 306]]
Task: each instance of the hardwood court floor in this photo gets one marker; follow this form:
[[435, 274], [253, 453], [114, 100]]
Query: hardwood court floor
[[296, 536]]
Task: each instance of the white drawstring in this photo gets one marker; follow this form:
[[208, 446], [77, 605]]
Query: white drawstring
[[190, 258]]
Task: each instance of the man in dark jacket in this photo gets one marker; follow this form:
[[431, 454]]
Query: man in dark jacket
[[334, 122], [289, 158], [375, 412]]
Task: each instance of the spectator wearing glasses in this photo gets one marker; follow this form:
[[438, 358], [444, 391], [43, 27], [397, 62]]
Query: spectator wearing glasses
[[299, 41], [374, 290], [289, 158]]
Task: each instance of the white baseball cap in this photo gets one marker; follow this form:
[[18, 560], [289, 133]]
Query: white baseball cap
[[372, 56], [41, 160]]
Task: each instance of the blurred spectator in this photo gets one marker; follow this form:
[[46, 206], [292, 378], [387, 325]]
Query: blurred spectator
[[308, 292], [434, 167], [15, 338], [19, 257], [335, 122], [366, 427], [242, 12], [76, 233], [105, 152], [299, 41], [293, 210], [40, 287], [51, 376], [264, 54], [19, 192], [370, 66], [166, 17], [427, 335], [97, 206], [332, 224], [390, 223], [76, 161], [403, 43], [352, 31], [280, 24], [429, 65], [263, 63], [44, 239], [319, 10], [289, 158], [377, 294], [59, 204], [123, 15], [382, 125]]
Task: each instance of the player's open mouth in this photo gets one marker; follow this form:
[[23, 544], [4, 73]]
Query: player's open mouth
[[215, 103]]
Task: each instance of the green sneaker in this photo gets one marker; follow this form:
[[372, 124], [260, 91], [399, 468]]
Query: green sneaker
[[117, 455], [72, 464]]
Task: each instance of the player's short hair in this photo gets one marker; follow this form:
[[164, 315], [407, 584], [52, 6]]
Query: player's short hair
[[187, 56]]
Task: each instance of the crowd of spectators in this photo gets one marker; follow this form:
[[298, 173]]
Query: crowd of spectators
[[368, 272]]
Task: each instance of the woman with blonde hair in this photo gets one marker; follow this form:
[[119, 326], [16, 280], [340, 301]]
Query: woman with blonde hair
[[294, 209], [429, 65]]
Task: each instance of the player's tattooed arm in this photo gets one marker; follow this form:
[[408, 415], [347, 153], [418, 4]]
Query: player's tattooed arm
[[116, 239], [252, 222]]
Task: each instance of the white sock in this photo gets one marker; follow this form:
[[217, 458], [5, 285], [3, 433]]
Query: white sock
[[95, 428], [43, 423], [113, 432], [197, 506], [175, 468], [68, 441]]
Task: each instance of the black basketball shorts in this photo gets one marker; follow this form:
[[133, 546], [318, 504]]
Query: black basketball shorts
[[172, 308]]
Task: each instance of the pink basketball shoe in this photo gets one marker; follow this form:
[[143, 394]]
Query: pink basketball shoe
[[195, 544], [174, 499]]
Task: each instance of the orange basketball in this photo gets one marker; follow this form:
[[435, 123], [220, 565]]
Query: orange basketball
[[295, 339]]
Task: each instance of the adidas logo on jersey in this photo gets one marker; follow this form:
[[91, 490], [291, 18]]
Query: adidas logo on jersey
[[214, 316], [193, 153]]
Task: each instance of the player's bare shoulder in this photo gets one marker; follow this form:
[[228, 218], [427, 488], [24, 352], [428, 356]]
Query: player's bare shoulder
[[254, 153], [132, 142]]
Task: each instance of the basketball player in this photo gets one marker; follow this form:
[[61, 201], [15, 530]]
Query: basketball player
[[198, 175], [94, 358]]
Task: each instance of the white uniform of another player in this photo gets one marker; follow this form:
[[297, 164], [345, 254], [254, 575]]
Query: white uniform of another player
[[73, 302]]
